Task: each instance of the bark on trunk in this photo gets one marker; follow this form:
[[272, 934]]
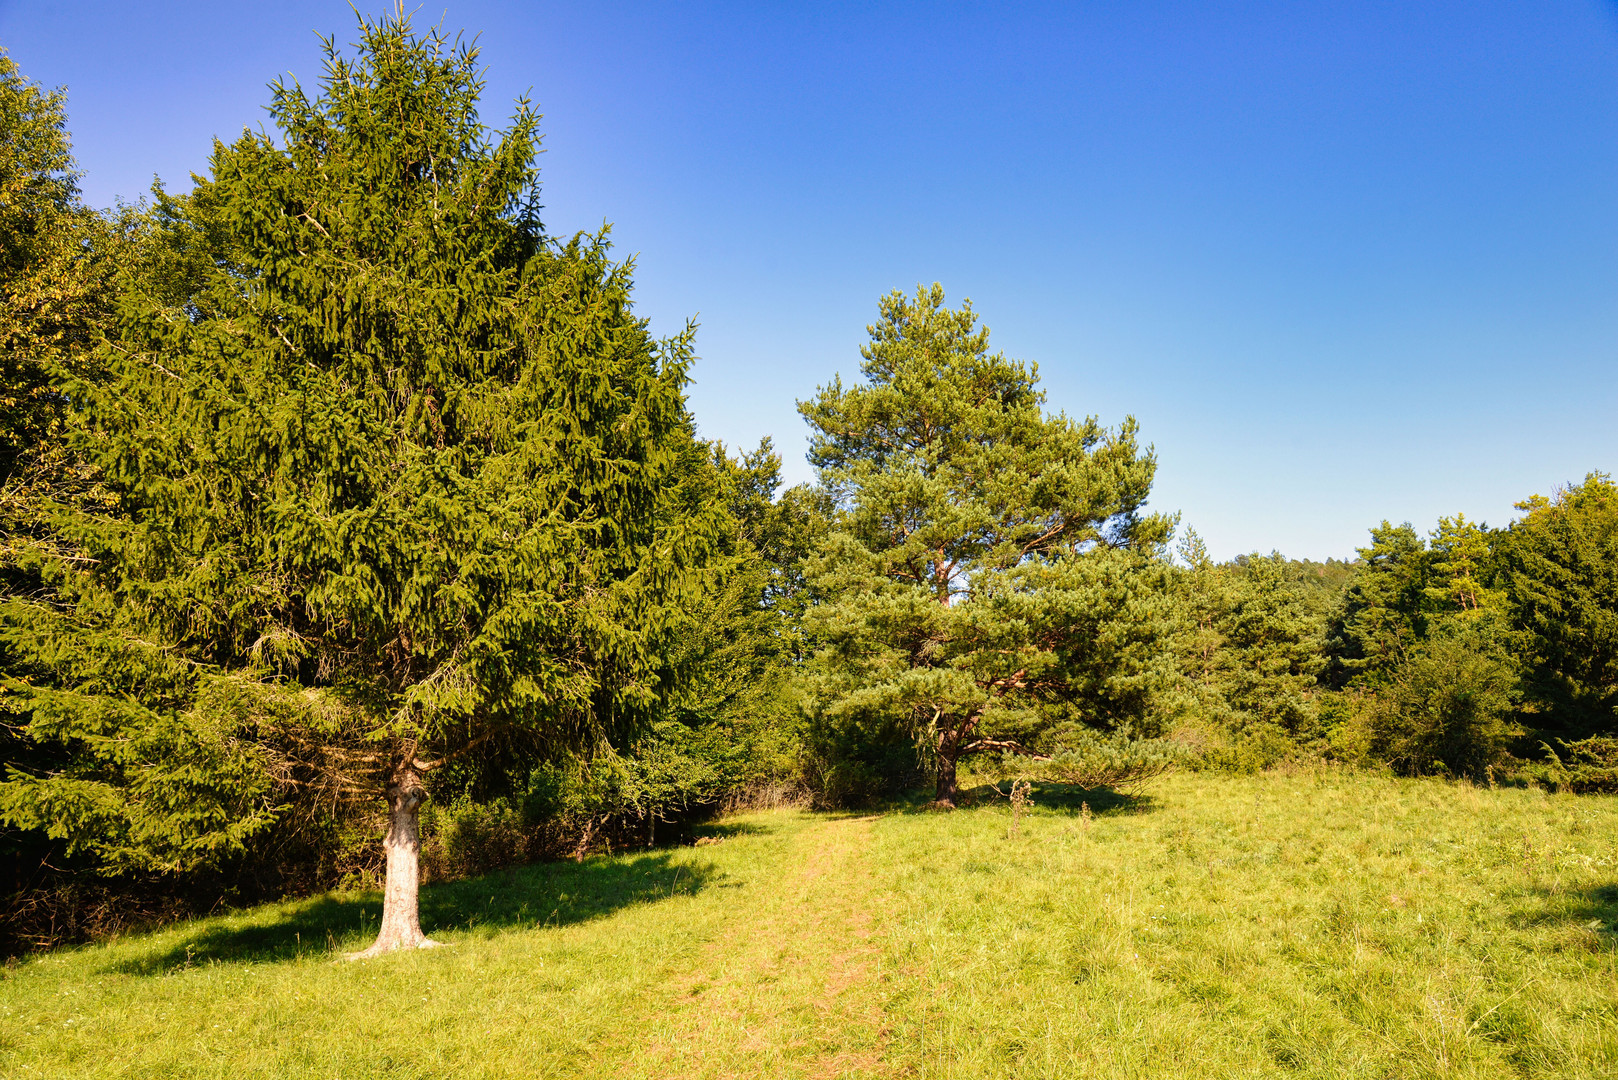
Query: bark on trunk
[[583, 847], [401, 914], [946, 783]]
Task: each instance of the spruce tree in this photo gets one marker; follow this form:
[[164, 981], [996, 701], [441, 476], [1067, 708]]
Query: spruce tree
[[392, 474], [57, 260], [988, 576], [1271, 630]]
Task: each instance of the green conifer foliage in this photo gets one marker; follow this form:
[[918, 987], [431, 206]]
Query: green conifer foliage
[[1421, 636], [1461, 559], [1271, 630], [986, 577], [53, 295], [1559, 567], [392, 471], [1383, 611], [1248, 648], [57, 261]]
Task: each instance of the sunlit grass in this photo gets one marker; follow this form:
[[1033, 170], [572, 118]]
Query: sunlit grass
[[1310, 925], [1315, 925]]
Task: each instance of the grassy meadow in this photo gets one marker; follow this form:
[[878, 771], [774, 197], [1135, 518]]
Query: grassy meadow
[[1312, 924]]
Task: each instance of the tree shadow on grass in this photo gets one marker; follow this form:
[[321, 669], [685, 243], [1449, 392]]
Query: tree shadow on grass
[[532, 896], [1068, 798], [1594, 908], [1600, 902], [727, 829]]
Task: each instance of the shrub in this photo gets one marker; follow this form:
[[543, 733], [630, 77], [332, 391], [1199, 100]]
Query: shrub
[[850, 769], [465, 839], [858, 761], [1446, 709], [1247, 750], [1584, 766]]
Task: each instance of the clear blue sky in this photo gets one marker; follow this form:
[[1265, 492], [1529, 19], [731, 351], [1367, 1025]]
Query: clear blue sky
[[1344, 261]]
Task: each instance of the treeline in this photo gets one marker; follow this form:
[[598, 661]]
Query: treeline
[[355, 526], [1467, 652]]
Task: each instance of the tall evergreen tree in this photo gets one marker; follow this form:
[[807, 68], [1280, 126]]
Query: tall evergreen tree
[[1383, 611], [57, 258], [1460, 564], [1249, 642], [1559, 568], [392, 478], [986, 575], [53, 267], [1271, 631]]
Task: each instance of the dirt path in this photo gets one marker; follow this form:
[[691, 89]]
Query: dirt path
[[790, 987]]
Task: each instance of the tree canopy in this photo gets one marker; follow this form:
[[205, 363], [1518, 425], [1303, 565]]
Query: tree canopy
[[1559, 565], [336, 484], [978, 573], [392, 476]]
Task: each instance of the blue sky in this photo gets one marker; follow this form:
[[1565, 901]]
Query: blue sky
[[1343, 261]]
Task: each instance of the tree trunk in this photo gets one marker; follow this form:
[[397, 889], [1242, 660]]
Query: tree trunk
[[946, 783], [952, 738], [401, 914]]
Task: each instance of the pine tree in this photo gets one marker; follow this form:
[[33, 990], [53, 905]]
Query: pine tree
[[1460, 559], [988, 574], [1383, 611], [394, 479]]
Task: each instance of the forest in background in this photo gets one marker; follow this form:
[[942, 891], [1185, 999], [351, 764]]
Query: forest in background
[[340, 499]]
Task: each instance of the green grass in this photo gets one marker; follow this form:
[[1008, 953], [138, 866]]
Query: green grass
[[1315, 925]]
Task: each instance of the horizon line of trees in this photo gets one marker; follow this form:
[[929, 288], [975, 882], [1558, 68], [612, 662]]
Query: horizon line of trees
[[353, 528]]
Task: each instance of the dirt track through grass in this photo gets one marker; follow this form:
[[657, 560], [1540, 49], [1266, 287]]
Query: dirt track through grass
[[787, 983], [1317, 925]]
